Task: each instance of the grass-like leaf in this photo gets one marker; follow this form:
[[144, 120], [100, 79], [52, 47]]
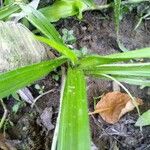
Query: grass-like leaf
[[60, 47], [8, 10], [117, 15], [74, 124], [16, 79], [95, 60], [41, 23], [143, 81], [137, 69], [117, 11]]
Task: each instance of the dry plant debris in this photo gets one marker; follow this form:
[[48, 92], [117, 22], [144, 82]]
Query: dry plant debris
[[4, 144], [114, 105]]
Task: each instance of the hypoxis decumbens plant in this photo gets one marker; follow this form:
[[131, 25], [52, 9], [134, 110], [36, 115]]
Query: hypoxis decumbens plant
[[72, 129]]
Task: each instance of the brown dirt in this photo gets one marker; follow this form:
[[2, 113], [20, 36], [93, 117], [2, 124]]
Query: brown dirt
[[96, 32]]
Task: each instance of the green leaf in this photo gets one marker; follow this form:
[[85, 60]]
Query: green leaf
[[133, 54], [38, 20], [133, 80], [8, 10], [16, 79], [144, 119], [59, 47], [89, 2], [95, 60], [41, 23], [74, 133], [60, 9], [64, 8], [117, 16], [117, 12], [137, 69]]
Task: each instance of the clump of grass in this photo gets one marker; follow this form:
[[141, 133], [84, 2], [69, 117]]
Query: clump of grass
[[72, 129]]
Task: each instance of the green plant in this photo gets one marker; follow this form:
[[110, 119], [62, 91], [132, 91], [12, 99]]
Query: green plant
[[72, 129]]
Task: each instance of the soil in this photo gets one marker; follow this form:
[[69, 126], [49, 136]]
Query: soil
[[95, 32]]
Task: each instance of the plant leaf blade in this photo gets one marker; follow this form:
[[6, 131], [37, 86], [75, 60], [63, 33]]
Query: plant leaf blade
[[16, 79], [144, 119], [74, 124], [59, 47]]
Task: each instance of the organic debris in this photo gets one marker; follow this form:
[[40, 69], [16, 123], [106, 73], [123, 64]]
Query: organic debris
[[45, 119], [114, 105], [4, 144]]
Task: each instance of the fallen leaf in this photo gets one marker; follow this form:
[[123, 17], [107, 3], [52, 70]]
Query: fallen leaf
[[45, 119], [114, 105]]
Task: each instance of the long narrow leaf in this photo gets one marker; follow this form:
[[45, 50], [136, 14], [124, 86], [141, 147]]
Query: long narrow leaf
[[74, 124], [137, 69], [133, 80], [59, 47], [8, 10], [16, 79], [90, 61], [38, 20], [117, 4], [139, 53], [41, 23]]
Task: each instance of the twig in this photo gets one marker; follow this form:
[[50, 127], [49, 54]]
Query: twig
[[35, 100], [4, 115]]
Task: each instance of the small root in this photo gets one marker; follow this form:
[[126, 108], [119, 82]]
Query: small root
[[4, 115]]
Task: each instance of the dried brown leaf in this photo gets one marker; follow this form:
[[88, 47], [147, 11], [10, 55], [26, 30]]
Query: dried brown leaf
[[114, 105]]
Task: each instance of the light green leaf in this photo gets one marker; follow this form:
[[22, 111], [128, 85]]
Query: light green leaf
[[16, 79], [133, 54], [137, 69], [144, 119], [59, 47], [64, 8], [95, 60], [60, 9], [133, 80], [8, 10], [41, 23], [74, 133]]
